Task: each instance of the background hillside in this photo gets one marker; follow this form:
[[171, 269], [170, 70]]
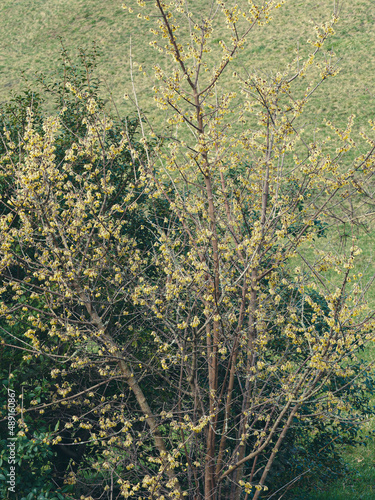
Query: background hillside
[[30, 31]]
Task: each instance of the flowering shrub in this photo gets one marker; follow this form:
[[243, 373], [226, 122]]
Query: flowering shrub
[[176, 288]]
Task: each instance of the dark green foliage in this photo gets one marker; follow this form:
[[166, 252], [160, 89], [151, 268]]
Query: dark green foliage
[[311, 455], [41, 466]]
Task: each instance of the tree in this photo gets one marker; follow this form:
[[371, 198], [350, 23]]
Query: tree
[[205, 348]]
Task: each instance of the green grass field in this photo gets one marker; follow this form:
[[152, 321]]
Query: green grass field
[[30, 33]]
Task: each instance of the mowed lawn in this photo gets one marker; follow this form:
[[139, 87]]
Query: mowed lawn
[[30, 33]]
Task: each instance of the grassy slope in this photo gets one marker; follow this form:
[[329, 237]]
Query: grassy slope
[[29, 43], [30, 31]]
